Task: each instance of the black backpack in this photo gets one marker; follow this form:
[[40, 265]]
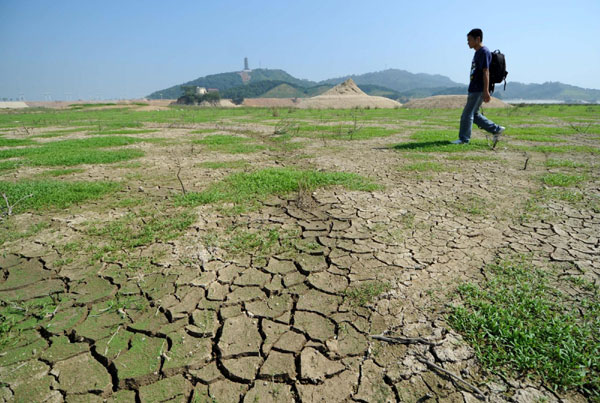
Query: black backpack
[[498, 71]]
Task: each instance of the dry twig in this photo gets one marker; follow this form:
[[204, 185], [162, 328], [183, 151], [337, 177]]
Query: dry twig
[[404, 340], [457, 378]]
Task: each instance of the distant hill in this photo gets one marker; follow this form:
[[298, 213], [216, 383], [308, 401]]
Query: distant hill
[[398, 80], [547, 91], [392, 83], [224, 81]]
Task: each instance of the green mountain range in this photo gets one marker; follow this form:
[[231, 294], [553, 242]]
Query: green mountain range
[[392, 83]]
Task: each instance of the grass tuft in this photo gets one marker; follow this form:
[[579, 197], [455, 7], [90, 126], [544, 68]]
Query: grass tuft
[[518, 321], [248, 187], [53, 194], [562, 180]]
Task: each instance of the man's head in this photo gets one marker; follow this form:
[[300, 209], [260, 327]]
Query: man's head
[[474, 38]]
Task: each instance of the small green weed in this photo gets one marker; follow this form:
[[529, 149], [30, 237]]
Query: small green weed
[[519, 321], [562, 180], [75, 152], [425, 166], [366, 293], [15, 142], [60, 172], [239, 164], [558, 163], [53, 194], [229, 144], [245, 187]]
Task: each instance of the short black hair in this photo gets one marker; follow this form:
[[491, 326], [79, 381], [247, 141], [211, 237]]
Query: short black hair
[[476, 32]]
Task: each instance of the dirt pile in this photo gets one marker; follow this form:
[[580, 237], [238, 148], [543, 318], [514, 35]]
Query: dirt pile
[[348, 87], [13, 105], [347, 95], [450, 102]]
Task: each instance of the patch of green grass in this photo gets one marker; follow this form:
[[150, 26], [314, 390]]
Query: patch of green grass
[[366, 293], [557, 149], [82, 106], [239, 164], [60, 172], [229, 144], [558, 163], [4, 142], [75, 152], [570, 196], [141, 228], [122, 131], [53, 194], [10, 232], [202, 131], [471, 157], [10, 165], [247, 187], [424, 166], [60, 132], [471, 204], [519, 321], [562, 180], [439, 141]]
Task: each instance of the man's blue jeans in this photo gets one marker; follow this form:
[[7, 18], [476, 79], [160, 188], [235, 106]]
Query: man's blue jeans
[[471, 114]]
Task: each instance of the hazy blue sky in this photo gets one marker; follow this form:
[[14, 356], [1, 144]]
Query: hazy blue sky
[[126, 49]]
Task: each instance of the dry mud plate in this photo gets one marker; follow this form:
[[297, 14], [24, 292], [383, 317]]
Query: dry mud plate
[[280, 301]]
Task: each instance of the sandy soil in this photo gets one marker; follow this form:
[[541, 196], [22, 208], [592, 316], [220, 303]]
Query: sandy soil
[[345, 96], [450, 102]]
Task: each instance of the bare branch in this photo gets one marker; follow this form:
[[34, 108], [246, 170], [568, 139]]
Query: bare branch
[[457, 378], [404, 340]]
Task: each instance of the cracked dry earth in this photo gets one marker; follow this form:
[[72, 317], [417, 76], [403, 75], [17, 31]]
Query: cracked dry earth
[[206, 325]]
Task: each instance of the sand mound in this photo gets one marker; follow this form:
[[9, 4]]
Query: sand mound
[[13, 105], [450, 102], [347, 102], [270, 102], [344, 96], [348, 87]]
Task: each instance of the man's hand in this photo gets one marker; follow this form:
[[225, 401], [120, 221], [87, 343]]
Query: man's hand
[[486, 85]]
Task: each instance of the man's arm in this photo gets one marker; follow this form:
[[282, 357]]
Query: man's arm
[[486, 85]]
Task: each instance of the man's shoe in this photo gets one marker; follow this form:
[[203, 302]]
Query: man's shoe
[[496, 136], [459, 141]]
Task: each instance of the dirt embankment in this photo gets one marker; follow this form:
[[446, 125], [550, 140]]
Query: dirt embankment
[[347, 95], [450, 102]]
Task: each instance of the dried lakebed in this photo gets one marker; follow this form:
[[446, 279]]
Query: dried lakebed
[[281, 303]]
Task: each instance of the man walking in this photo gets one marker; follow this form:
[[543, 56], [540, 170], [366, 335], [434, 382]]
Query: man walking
[[479, 91]]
